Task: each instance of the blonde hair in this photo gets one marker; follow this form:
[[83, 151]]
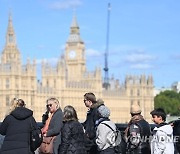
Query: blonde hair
[[16, 102], [55, 100]]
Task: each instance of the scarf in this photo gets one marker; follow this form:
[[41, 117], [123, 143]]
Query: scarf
[[46, 126]]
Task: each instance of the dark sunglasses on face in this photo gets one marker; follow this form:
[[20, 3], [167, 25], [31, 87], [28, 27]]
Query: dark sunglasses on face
[[49, 105]]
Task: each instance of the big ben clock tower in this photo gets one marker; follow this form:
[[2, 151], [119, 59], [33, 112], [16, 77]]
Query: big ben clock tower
[[75, 53]]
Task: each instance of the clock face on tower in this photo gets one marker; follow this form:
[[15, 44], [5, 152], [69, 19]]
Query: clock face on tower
[[72, 54]]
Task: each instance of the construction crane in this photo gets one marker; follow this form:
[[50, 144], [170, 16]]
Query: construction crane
[[106, 84]]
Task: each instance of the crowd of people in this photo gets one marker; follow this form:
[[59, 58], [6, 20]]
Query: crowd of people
[[94, 136]]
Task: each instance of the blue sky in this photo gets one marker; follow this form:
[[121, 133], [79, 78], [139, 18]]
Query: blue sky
[[144, 35]]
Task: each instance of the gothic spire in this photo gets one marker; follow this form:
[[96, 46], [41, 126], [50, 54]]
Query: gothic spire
[[74, 23], [10, 52], [10, 36], [74, 31]]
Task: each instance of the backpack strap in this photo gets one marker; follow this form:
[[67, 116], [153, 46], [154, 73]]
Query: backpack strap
[[108, 126]]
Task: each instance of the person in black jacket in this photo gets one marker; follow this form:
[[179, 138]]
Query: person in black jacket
[[89, 125], [137, 133], [73, 137], [16, 127]]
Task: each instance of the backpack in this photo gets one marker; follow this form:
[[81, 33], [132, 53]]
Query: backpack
[[176, 133], [115, 139], [36, 137]]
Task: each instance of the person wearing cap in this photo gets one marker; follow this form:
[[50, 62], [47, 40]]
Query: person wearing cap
[[137, 133], [104, 130], [89, 124]]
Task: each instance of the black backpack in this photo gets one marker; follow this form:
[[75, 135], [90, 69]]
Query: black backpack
[[36, 137], [176, 133]]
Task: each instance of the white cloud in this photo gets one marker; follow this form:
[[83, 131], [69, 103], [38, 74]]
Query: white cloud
[[141, 66], [139, 57], [93, 53], [123, 49], [65, 4]]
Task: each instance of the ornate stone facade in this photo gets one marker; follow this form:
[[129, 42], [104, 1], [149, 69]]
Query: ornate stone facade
[[68, 81]]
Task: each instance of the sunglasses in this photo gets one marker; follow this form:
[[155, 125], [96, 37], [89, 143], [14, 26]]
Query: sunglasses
[[49, 105]]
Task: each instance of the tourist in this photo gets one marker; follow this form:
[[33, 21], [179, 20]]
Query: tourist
[[16, 127], [89, 124], [53, 125], [137, 133], [104, 131], [162, 141], [73, 138]]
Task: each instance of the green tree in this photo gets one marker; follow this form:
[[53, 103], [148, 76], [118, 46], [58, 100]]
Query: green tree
[[168, 100]]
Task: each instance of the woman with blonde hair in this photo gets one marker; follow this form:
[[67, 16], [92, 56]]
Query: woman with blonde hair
[[16, 127], [72, 133], [15, 102], [52, 127]]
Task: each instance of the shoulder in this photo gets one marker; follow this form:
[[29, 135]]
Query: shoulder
[[76, 124], [58, 113], [69, 123], [97, 104], [72, 125], [7, 118], [166, 129], [111, 123], [106, 124], [102, 127]]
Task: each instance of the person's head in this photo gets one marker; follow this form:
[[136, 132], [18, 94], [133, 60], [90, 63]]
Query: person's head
[[52, 104], [103, 111], [158, 115], [70, 113], [16, 102], [89, 99], [135, 110]]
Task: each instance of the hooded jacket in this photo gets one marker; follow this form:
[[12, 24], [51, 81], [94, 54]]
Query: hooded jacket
[[16, 128], [103, 133], [162, 141]]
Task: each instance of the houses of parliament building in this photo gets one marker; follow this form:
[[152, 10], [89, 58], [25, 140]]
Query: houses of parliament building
[[69, 80]]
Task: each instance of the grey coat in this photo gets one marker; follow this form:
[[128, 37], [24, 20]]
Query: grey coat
[[54, 129]]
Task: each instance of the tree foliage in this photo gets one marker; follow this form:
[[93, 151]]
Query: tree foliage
[[168, 100]]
